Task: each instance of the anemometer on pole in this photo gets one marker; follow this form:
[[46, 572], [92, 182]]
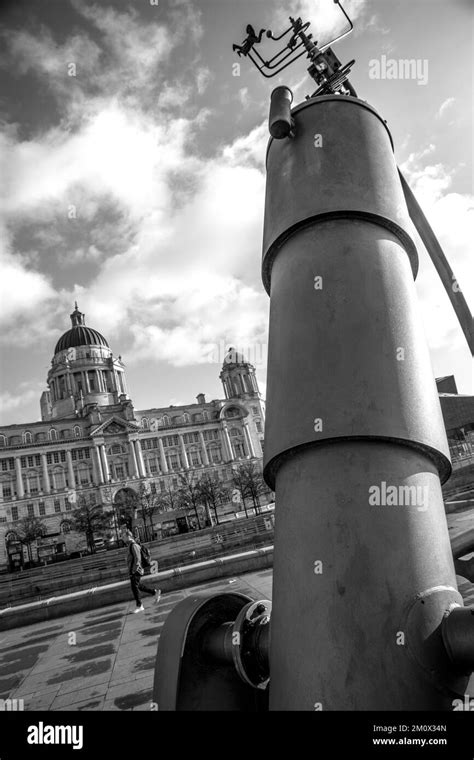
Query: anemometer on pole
[[365, 614]]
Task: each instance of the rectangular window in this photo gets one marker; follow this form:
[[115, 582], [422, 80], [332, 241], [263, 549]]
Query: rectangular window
[[37, 460], [92, 499], [68, 505], [195, 459], [162, 486], [49, 458], [56, 457], [57, 505], [62, 456], [191, 437], [211, 435], [59, 480], [7, 491], [216, 455], [153, 488], [30, 461], [23, 461], [4, 464], [3, 519], [42, 508], [258, 425], [14, 513], [119, 471], [31, 510], [173, 462]]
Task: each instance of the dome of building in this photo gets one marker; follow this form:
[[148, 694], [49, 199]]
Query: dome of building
[[79, 334]]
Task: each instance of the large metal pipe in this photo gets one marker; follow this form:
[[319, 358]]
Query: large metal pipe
[[355, 445]]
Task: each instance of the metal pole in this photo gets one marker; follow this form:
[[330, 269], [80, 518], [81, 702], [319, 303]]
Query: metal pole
[[355, 446]]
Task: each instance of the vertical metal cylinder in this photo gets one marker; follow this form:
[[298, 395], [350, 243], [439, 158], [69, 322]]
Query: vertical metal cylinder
[[355, 444], [279, 120]]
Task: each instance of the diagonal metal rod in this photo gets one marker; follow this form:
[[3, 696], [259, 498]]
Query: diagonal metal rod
[[440, 262]]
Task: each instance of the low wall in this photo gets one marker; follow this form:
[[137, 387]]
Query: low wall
[[111, 566], [168, 580]]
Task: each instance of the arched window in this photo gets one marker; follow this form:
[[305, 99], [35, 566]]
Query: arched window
[[77, 431], [145, 423], [65, 526], [186, 417], [3, 440], [27, 437], [166, 420], [232, 411], [53, 434]]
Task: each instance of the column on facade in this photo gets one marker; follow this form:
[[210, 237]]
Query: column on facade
[[226, 441], [140, 460], [164, 464], [105, 464], [70, 470], [183, 452], [248, 439], [46, 483], [133, 458], [20, 491], [97, 466], [205, 457]]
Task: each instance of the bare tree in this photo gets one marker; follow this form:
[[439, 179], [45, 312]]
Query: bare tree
[[253, 483], [213, 491], [147, 504], [240, 484], [189, 493], [28, 530], [89, 519]]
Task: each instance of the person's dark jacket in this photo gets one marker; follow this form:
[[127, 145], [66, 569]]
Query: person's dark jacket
[[134, 559]]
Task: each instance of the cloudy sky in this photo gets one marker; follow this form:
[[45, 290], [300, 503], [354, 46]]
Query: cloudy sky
[[133, 181]]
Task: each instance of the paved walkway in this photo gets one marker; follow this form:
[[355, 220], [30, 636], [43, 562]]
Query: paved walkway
[[111, 664]]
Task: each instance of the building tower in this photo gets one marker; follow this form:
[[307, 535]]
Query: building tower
[[83, 372], [238, 376]]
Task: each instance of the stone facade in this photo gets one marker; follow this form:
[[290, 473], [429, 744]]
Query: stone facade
[[91, 442]]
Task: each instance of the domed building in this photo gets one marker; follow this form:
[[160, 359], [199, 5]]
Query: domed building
[[83, 371], [92, 447]]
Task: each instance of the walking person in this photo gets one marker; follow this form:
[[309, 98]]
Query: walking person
[[136, 570]]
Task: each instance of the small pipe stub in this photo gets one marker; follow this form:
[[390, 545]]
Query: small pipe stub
[[280, 123], [457, 630]]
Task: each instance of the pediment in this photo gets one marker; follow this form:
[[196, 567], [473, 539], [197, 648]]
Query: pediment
[[115, 426]]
